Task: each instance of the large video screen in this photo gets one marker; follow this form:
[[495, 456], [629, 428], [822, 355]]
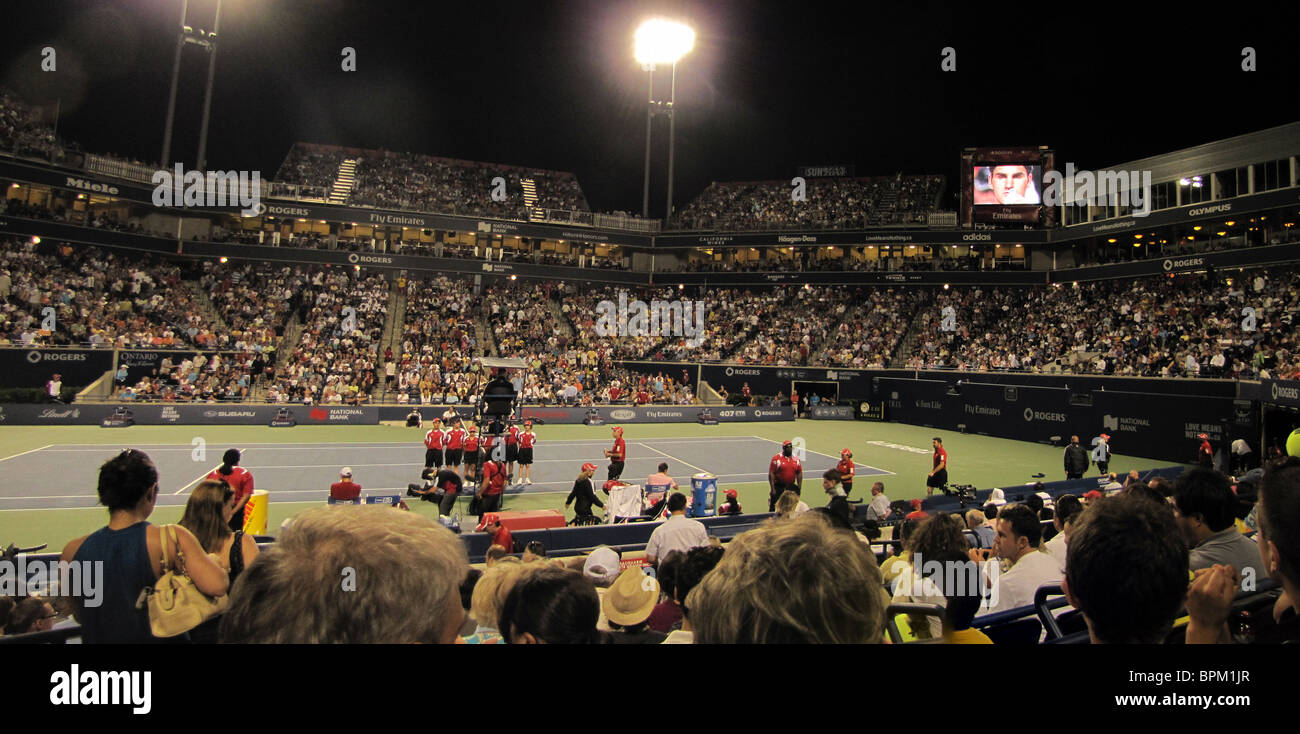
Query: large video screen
[[1005, 184]]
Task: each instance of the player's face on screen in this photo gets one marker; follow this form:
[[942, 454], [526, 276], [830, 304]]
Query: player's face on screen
[[1009, 183]]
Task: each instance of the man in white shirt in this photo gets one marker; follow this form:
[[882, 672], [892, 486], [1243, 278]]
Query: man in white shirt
[[879, 508], [1068, 508], [678, 532], [1017, 543]]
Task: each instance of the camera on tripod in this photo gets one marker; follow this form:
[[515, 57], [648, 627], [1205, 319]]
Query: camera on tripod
[[965, 493]]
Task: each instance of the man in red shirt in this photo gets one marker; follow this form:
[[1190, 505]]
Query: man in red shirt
[[239, 479], [455, 446], [500, 534], [938, 476], [794, 403], [345, 488], [845, 468], [434, 440], [527, 440], [1205, 453], [785, 472], [617, 455], [493, 486], [744, 392]]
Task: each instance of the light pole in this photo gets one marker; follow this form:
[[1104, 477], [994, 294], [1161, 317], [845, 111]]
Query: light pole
[[207, 41], [660, 41]]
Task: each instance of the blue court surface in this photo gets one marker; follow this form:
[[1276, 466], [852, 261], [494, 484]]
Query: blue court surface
[[64, 475]]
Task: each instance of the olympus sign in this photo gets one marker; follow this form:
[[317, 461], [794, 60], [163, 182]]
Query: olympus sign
[[1289, 393], [84, 185], [36, 357], [1184, 263], [1032, 415], [1209, 210], [622, 414]]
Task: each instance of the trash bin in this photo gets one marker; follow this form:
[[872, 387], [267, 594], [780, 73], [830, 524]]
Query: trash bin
[[704, 495]]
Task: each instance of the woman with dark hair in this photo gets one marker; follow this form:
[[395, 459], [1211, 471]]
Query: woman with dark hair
[[239, 479], [839, 503], [132, 551], [551, 606], [207, 515], [938, 536]]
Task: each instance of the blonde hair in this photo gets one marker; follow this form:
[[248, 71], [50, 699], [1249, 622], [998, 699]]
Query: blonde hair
[[801, 581], [786, 503], [490, 592], [405, 571], [205, 514], [975, 519]]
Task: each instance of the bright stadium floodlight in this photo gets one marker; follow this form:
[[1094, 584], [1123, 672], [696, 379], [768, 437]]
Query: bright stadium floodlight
[[661, 41]]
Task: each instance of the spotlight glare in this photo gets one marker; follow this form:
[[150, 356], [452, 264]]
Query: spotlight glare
[[662, 41]]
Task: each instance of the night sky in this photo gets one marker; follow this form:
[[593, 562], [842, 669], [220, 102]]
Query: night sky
[[770, 85]]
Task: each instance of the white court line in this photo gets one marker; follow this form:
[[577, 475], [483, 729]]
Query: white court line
[[878, 470], [15, 456], [674, 458]]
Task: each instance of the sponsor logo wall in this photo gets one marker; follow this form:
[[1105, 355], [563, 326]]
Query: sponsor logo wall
[[1278, 392], [831, 412], [33, 367], [610, 414], [153, 414], [1140, 424]]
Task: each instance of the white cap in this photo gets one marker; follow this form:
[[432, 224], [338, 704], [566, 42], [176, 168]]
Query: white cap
[[998, 497], [346, 472]]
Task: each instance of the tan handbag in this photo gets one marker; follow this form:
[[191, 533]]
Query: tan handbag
[[175, 604]]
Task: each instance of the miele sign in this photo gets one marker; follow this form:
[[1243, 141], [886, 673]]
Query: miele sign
[[82, 184]]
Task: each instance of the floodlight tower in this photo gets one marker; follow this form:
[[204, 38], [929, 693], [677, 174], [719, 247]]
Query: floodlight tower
[[660, 41], [208, 42]]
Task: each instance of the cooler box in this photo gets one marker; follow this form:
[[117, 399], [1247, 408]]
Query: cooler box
[[525, 520], [255, 512], [704, 495]]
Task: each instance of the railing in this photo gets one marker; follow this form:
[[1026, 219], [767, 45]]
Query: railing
[[140, 172]]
